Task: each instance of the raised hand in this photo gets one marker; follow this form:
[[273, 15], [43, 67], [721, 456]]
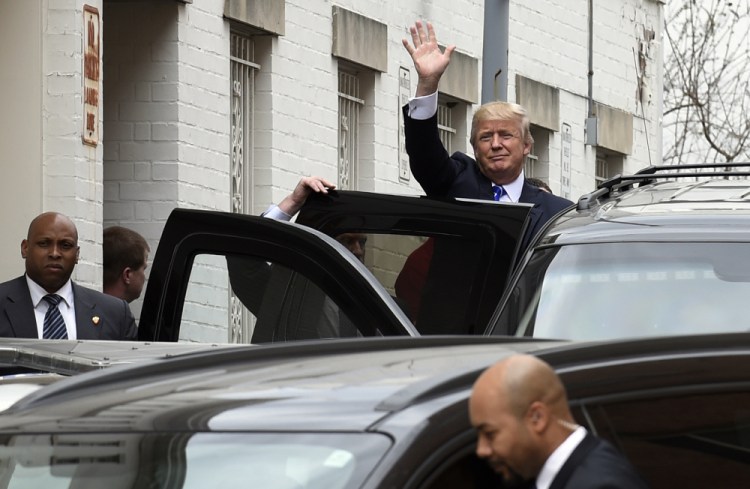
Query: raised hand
[[429, 61]]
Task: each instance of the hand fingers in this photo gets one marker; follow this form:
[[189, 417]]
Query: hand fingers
[[415, 37], [408, 47], [318, 184], [431, 33]]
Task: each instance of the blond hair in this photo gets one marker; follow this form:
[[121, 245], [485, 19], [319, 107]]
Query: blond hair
[[501, 111]]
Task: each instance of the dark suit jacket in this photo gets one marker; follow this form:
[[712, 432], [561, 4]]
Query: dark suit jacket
[[458, 175], [595, 464], [116, 321]]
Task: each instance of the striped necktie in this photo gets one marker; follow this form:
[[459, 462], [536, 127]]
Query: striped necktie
[[497, 192], [54, 324]]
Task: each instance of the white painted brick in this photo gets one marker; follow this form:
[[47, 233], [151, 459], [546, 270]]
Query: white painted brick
[[156, 211], [154, 150], [118, 211], [164, 171], [143, 91], [151, 111], [111, 151], [111, 192], [119, 131], [142, 171], [119, 170], [148, 191], [142, 131], [165, 51], [165, 92], [164, 132]]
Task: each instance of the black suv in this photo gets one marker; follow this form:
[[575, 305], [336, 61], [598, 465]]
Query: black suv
[[665, 251]]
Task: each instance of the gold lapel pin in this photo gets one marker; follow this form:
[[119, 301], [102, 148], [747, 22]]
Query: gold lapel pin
[[95, 320]]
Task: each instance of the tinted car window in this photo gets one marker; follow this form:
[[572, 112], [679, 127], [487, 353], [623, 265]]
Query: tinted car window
[[615, 290], [690, 441], [200, 460], [248, 299], [435, 280]]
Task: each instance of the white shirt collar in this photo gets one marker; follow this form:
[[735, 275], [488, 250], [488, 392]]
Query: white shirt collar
[[37, 292], [513, 190], [555, 461]]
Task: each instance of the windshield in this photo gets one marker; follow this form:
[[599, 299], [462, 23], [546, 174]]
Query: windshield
[[619, 290], [183, 460]]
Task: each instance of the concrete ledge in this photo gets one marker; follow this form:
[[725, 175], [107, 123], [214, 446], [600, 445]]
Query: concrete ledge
[[614, 129], [461, 78], [265, 15], [359, 39], [541, 101]]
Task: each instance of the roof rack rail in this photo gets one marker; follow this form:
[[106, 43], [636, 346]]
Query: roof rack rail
[[651, 173]]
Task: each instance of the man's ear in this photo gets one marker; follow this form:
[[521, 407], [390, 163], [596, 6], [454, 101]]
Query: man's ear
[[24, 248], [538, 416], [126, 275], [78, 253]]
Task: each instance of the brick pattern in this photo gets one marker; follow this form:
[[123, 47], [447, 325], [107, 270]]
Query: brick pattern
[[549, 43], [72, 172]]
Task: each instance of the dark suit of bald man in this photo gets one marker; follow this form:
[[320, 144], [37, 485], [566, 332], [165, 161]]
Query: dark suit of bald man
[[98, 316]]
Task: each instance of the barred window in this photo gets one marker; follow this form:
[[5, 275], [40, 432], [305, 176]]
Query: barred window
[[350, 106], [530, 169], [243, 69], [602, 170], [242, 87], [608, 165], [445, 126]]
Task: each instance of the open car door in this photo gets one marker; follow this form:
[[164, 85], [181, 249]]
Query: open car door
[[354, 264], [446, 262], [223, 277]]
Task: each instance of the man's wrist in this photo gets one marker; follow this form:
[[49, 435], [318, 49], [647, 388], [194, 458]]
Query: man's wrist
[[274, 212], [423, 107]]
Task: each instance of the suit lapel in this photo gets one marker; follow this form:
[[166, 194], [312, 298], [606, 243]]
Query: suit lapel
[[20, 310], [576, 458], [85, 312]]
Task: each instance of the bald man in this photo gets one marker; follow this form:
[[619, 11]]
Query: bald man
[[45, 303], [528, 435]]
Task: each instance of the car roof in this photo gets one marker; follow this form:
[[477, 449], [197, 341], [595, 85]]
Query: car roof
[[665, 210], [349, 385], [339, 385], [69, 357]]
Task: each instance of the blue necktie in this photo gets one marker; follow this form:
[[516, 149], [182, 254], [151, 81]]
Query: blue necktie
[[54, 324], [497, 191]]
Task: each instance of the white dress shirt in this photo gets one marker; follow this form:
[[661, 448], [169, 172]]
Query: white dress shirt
[[66, 307], [555, 461]]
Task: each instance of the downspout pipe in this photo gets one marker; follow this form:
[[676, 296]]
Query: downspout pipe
[[591, 59]]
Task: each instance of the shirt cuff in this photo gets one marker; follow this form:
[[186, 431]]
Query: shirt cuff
[[422, 108], [273, 212]]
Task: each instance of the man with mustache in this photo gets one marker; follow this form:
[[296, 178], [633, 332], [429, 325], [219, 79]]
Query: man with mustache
[[527, 433], [46, 303]]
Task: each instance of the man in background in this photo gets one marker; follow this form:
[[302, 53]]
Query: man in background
[[125, 260]]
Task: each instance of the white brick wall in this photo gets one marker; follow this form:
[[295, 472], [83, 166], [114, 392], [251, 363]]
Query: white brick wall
[[72, 182], [549, 43]]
